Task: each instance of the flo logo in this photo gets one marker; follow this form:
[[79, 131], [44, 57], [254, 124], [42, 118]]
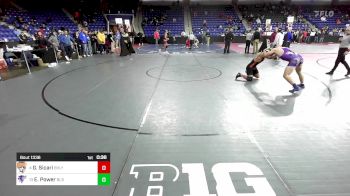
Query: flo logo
[[159, 174]]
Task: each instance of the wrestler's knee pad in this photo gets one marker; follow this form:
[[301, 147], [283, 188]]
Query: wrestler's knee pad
[[250, 78]]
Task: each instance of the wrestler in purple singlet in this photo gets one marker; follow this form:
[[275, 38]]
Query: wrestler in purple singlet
[[294, 59]]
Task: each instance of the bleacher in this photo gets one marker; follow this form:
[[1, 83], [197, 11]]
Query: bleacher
[[9, 34], [175, 28], [309, 13], [100, 23], [216, 18], [278, 15], [282, 25], [58, 19]]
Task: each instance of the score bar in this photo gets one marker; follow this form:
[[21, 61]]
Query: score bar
[[63, 169]]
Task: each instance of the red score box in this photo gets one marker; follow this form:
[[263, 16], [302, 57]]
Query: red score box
[[104, 167]]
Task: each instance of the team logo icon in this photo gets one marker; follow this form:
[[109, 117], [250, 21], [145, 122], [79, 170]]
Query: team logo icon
[[21, 178], [21, 166]]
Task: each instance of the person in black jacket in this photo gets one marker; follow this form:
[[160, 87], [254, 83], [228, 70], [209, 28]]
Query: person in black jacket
[[42, 48], [125, 44], [256, 40], [140, 36], [228, 40], [344, 49], [264, 44], [93, 38]]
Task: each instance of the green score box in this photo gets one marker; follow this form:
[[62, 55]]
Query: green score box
[[104, 179]]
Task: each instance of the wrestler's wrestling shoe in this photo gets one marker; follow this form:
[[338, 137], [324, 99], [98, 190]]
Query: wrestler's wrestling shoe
[[295, 89], [302, 86], [238, 75]]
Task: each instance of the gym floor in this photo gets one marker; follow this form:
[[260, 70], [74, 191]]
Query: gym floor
[[184, 124]]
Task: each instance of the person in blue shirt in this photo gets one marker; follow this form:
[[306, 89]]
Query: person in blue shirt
[[83, 39], [288, 38], [117, 39], [66, 42], [89, 47]]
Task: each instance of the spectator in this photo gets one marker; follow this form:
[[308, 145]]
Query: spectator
[[42, 44], [89, 46], [77, 16], [101, 40], [191, 37], [23, 38], [207, 37], [140, 36], [316, 36], [41, 41], [300, 36], [83, 39], [307, 39], [295, 36], [304, 35], [228, 39], [338, 21], [77, 43], [205, 24], [256, 40], [156, 36], [25, 27], [61, 46], [132, 37], [93, 38], [248, 39], [278, 39], [125, 44], [66, 42], [258, 21], [288, 38], [273, 37], [117, 38], [109, 43], [204, 35], [85, 24], [54, 40], [263, 45], [165, 40], [42, 30]]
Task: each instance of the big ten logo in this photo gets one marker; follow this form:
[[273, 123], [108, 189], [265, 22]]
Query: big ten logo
[[328, 14], [159, 177]]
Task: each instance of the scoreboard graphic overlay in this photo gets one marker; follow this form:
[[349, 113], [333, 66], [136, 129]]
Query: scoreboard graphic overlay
[[63, 169]]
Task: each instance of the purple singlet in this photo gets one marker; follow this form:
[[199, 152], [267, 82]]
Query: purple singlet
[[294, 59]]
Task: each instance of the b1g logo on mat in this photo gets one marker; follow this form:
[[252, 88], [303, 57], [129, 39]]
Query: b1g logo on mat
[[197, 179]]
